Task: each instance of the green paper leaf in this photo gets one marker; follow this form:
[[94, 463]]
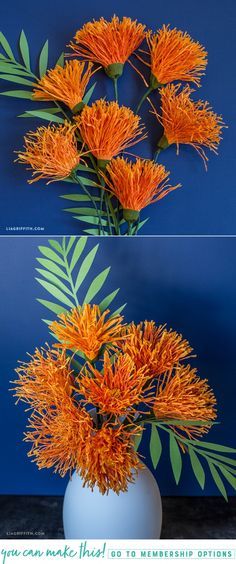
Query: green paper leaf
[[175, 458], [96, 285], [221, 458], [137, 440], [43, 59], [107, 301], [58, 294], [197, 467], [91, 231], [79, 247], [84, 211], [43, 110], [218, 481], [229, 477], [79, 198], [47, 252], [55, 308], [11, 68], [41, 114], [89, 94], [52, 278], [90, 219], [213, 446], [86, 168], [85, 267], [87, 181], [55, 245], [155, 446], [17, 79], [50, 265], [72, 239], [5, 45], [61, 60], [119, 310], [24, 49], [18, 94]]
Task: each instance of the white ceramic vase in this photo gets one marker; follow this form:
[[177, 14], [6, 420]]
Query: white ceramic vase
[[136, 514]]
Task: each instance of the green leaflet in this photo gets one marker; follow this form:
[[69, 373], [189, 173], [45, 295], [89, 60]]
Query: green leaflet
[[55, 245], [175, 458], [16, 79], [213, 446], [119, 310], [50, 265], [155, 446], [55, 308], [137, 440], [79, 247], [96, 285], [197, 467], [88, 94], [47, 252], [61, 60], [107, 301], [58, 294], [5, 45], [85, 267], [218, 481], [84, 211], [79, 198], [231, 479], [42, 114], [18, 94], [43, 59], [24, 49], [56, 281], [66, 249]]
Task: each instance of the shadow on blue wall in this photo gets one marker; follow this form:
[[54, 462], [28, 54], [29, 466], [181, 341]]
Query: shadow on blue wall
[[188, 283]]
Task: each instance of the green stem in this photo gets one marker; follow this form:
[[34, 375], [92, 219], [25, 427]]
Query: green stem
[[79, 181], [146, 94], [156, 155], [115, 89]]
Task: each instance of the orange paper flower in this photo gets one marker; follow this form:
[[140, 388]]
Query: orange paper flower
[[155, 347], [138, 184], [87, 329], [51, 152], [182, 395], [189, 122], [44, 381], [109, 44], [107, 129], [175, 56], [117, 388], [108, 460], [66, 84], [58, 437]]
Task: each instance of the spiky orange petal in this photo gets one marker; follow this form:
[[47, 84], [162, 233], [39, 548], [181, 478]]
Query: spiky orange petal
[[117, 388], [107, 42], [175, 56], [155, 347], [183, 395], [51, 152], [137, 184], [186, 121], [87, 329], [107, 128], [66, 84]]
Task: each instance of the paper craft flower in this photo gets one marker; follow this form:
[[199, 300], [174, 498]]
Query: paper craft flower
[[175, 56], [137, 184], [51, 152], [108, 129], [109, 44], [87, 329], [116, 387], [66, 84], [188, 122]]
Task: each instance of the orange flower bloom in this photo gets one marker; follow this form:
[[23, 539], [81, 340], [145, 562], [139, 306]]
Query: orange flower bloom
[[117, 388], [86, 329], [108, 460], [59, 437], [138, 184], [66, 84], [107, 129], [109, 44], [51, 152], [175, 56], [182, 395], [186, 121], [155, 347], [45, 380]]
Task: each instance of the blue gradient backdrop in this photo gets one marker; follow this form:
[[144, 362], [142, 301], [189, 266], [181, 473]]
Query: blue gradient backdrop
[[184, 282], [206, 203]]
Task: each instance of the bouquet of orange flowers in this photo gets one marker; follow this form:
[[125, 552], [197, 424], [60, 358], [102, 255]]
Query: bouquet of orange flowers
[[85, 144], [103, 382]]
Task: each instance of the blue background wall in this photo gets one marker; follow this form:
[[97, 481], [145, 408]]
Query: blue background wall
[[189, 283], [206, 204]]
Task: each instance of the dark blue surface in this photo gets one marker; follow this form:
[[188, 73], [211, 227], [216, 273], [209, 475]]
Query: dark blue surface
[[206, 203], [189, 283]]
